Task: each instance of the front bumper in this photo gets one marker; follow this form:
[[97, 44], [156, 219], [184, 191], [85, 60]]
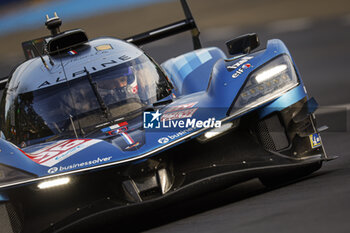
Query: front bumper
[[278, 143]]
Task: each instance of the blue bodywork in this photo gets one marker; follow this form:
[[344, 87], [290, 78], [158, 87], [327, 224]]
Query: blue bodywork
[[91, 129], [199, 77], [3, 198]]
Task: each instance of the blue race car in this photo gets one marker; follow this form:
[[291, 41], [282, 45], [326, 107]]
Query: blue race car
[[93, 127]]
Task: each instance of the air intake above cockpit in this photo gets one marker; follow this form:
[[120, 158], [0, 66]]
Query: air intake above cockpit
[[65, 41], [55, 43]]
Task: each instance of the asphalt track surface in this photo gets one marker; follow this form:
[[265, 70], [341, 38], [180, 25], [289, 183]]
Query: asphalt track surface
[[318, 203]]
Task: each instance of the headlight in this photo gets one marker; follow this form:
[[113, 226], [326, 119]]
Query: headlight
[[9, 175], [216, 132], [54, 183], [266, 84]]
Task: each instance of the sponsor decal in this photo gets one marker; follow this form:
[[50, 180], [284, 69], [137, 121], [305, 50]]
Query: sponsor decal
[[82, 72], [163, 140], [187, 113], [180, 107], [241, 70], [52, 170], [238, 64], [103, 47], [167, 139], [79, 165], [59, 151], [124, 58], [315, 140]]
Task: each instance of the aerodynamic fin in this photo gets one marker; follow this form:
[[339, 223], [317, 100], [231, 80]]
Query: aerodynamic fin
[[188, 24]]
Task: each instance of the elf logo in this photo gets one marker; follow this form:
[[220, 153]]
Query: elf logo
[[238, 64], [241, 70]]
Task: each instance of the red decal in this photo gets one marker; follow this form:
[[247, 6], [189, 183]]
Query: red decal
[[180, 107], [61, 150], [179, 114]]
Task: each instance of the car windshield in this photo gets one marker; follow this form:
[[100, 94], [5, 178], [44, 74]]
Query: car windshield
[[86, 103]]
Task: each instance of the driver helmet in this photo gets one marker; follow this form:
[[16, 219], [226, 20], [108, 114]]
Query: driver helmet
[[123, 83]]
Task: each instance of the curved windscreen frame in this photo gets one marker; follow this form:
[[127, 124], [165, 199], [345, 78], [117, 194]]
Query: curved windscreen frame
[[56, 111]]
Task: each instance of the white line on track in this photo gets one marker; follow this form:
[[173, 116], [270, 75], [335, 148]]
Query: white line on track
[[290, 25]]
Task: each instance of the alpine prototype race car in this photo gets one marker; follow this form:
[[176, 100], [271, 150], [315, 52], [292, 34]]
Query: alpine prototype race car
[[90, 128]]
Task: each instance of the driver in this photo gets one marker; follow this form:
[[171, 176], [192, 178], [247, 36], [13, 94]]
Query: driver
[[118, 88]]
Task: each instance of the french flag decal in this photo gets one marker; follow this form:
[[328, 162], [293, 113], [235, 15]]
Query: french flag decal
[[113, 127], [72, 52], [120, 129], [127, 138]]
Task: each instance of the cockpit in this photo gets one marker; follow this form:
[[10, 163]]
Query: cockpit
[[81, 105]]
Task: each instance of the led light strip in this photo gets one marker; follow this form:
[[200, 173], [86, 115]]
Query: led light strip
[[270, 73]]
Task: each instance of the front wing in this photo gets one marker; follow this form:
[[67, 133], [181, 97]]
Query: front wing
[[282, 142]]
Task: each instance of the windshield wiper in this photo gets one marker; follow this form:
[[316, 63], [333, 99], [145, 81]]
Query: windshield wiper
[[102, 104]]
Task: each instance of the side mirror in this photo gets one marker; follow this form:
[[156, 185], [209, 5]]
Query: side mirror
[[243, 44]]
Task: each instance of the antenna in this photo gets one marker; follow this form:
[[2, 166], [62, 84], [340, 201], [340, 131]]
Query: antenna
[[53, 24], [72, 122], [42, 59], [51, 62]]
